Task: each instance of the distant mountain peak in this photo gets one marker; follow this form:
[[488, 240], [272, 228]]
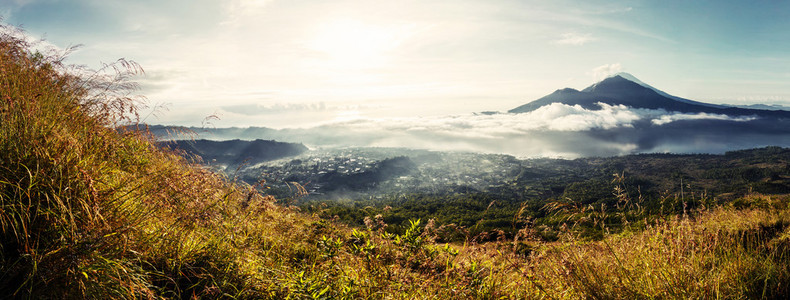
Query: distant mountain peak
[[633, 78], [612, 81], [625, 89], [567, 90], [629, 77]]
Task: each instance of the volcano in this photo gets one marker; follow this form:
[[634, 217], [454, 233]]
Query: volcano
[[625, 89]]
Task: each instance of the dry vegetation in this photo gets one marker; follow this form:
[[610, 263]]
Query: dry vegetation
[[89, 211]]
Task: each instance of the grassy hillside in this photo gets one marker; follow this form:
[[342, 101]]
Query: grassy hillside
[[89, 211]]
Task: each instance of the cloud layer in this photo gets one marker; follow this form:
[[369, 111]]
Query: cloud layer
[[553, 130]]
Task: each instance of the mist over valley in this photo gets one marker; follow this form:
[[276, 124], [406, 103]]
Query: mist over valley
[[616, 116]]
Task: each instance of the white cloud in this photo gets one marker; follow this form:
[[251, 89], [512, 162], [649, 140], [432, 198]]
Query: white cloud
[[574, 39], [277, 108], [602, 72], [555, 117], [665, 119]]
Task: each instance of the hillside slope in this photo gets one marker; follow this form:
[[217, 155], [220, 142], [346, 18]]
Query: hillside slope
[[90, 212]]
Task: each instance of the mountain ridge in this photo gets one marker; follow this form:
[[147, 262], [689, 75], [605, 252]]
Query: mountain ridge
[[625, 89], [235, 152], [633, 78]]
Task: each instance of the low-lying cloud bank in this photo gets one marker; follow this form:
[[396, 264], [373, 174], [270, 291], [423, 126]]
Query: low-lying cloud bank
[[554, 117], [555, 130]]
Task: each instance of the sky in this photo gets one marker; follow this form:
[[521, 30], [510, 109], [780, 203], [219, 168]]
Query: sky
[[299, 64]]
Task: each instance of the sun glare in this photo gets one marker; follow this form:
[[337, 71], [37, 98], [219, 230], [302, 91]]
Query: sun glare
[[354, 44]]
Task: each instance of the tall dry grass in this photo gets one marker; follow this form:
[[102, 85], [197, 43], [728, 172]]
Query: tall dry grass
[[92, 211]]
